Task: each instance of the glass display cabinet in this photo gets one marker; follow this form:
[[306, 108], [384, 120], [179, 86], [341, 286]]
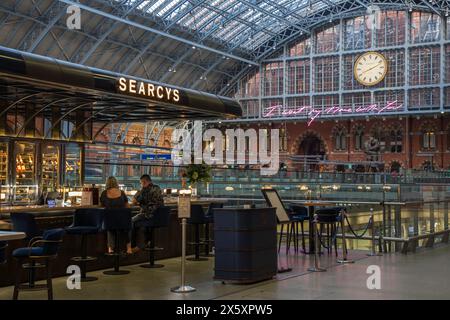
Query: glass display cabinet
[[25, 187], [50, 167], [72, 165]]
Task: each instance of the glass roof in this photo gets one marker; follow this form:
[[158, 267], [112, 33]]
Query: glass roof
[[244, 24]]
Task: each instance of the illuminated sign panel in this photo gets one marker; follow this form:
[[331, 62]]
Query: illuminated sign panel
[[148, 90]]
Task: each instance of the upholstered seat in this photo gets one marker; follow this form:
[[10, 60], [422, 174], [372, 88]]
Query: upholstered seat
[[44, 249], [82, 230], [85, 222], [27, 252]]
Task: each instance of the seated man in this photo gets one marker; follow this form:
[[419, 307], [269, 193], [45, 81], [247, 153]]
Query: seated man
[[149, 198]]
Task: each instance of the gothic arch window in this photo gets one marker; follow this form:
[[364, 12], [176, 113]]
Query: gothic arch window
[[395, 166], [396, 139], [448, 138], [427, 166], [428, 137], [379, 133], [136, 140], [359, 138], [340, 139]]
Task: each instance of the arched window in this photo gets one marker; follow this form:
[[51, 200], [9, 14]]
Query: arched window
[[136, 140], [395, 166], [379, 133], [428, 139], [396, 140], [340, 139], [359, 138], [448, 138], [427, 166]]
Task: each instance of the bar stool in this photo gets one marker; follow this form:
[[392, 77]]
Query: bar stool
[[160, 219], [329, 218], [50, 242], [26, 223], [209, 218], [3, 246], [300, 215], [197, 218], [85, 222], [117, 221]]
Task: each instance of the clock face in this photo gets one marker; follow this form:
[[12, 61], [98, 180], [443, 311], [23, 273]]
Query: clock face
[[370, 68]]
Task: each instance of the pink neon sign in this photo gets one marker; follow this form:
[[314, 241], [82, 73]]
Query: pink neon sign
[[313, 114]]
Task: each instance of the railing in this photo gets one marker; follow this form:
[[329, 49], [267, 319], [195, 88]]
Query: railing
[[408, 214], [240, 182]]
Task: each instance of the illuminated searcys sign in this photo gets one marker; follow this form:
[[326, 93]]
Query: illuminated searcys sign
[[148, 90]]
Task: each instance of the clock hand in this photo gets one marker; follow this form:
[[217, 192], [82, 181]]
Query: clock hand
[[370, 68]]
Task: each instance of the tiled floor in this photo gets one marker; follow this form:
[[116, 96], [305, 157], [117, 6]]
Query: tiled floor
[[423, 275]]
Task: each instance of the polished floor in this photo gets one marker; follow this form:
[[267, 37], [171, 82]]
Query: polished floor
[[423, 275]]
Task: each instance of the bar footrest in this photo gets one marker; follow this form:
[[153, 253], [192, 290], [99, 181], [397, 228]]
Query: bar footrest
[[80, 259], [153, 249]]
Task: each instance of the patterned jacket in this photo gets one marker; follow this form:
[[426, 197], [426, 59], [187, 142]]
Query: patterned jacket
[[149, 199]]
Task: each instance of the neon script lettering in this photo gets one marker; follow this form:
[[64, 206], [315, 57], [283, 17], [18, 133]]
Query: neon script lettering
[[312, 113]]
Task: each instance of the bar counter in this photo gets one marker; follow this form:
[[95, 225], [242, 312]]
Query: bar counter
[[60, 217]]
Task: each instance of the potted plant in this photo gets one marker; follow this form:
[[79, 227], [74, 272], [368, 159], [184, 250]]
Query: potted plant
[[198, 173]]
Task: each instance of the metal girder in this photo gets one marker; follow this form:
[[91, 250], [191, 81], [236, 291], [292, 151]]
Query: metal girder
[[153, 30], [57, 122], [44, 33], [108, 32], [89, 36], [279, 18]]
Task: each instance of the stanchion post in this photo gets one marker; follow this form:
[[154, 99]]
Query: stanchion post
[[372, 227], [316, 267], [344, 242], [184, 204]]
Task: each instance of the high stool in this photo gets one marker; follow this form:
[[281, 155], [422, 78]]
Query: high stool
[[329, 218], [117, 221], [25, 222], [209, 218], [85, 222], [300, 215], [3, 246], [50, 242], [197, 218], [160, 219]]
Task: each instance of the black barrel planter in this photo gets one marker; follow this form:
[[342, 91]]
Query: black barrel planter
[[245, 244]]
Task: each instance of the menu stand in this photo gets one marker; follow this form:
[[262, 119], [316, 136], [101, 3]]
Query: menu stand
[[184, 212]]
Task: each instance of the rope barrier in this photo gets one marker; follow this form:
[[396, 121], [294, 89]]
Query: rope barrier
[[354, 233], [333, 239]]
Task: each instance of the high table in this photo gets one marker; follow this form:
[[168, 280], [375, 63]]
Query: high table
[[11, 235], [311, 204]]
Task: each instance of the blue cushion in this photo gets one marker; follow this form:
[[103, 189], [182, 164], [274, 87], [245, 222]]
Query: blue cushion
[[298, 218], [82, 230], [25, 252]]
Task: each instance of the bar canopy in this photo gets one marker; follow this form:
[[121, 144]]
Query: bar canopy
[[107, 96]]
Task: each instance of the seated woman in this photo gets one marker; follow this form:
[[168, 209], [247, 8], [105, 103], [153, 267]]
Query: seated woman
[[114, 198]]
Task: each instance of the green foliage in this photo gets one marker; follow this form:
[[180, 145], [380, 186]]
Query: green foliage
[[198, 173]]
